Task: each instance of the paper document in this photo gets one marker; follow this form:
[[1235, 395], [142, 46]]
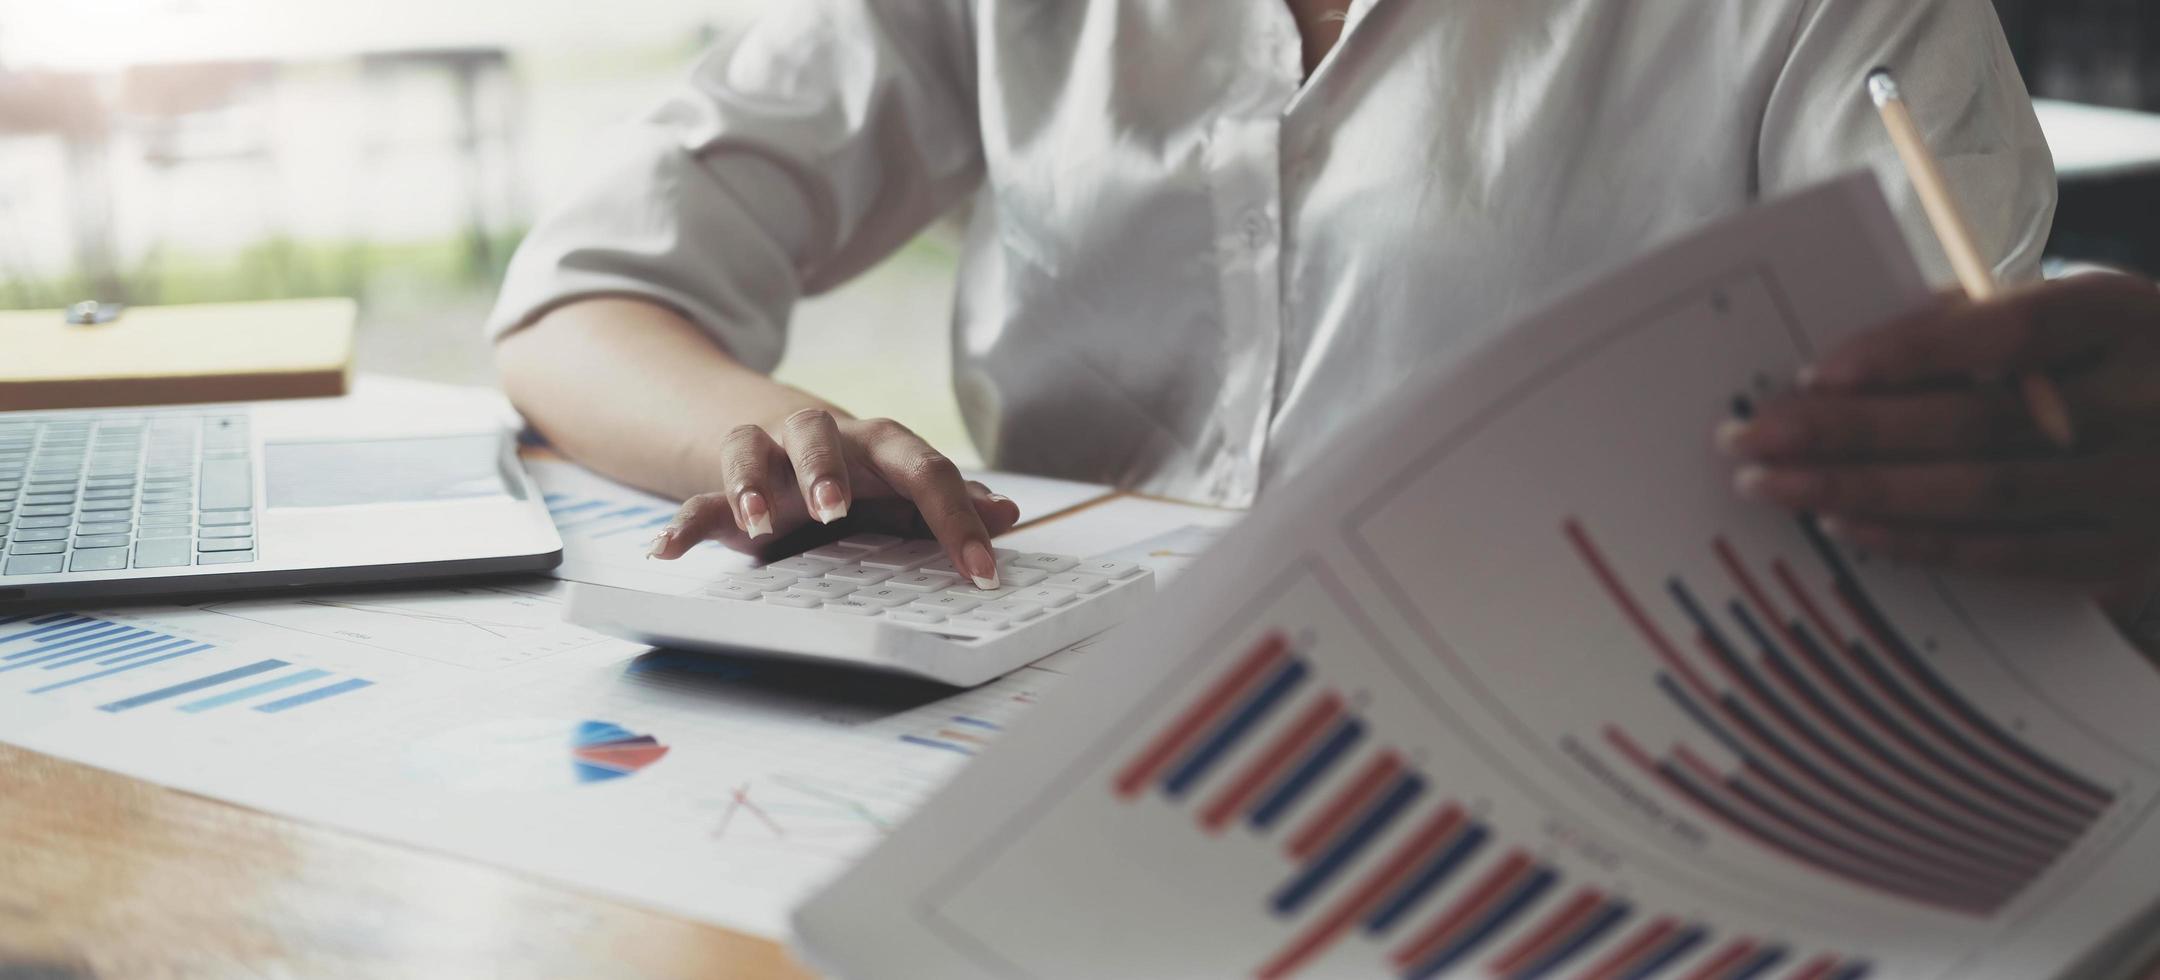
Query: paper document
[[1513, 685]]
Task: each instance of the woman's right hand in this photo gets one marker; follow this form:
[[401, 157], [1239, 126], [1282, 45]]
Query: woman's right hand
[[860, 474]]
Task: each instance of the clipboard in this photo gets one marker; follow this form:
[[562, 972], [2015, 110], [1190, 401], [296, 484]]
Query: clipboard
[[94, 356]]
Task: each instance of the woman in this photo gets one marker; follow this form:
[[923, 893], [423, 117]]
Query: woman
[[1206, 235]]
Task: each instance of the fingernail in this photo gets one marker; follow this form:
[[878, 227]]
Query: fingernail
[[831, 503], [1729, 435], [660, 543], [1751, 482], [980, 564], [760, 519], [999, 498]]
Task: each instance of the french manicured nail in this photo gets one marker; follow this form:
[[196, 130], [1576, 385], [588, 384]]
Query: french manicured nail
[[660, 543], [980, 564], [1760, 437], [755, 514], [831, 503]]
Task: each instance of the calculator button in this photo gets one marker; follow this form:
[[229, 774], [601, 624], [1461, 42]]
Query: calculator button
[[906, 554], [163, 554], [34, 565], [105, 527], [918, 615], [1014, 610], [854, 607], [37, 547], [733, 590], [949, 604], [226, 558], [923, 581], [868, 542], [1044, 595], [1114, 570], [802, 565], [225, 544], [101, 541], [978, 620], [1049, 564], [885, 596], [1078, 582], [765, 581], [166, 531], [859, 574], [823, 588], [982, 595], [834, 553], [1022, 577], [795, 600], [41, 534], [941, 565]]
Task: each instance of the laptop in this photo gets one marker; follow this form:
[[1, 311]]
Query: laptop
[[397, 482]]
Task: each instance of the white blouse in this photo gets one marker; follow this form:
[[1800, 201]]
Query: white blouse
[[1188, 266]]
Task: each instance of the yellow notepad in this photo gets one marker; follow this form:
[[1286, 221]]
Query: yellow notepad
[[164, 355]]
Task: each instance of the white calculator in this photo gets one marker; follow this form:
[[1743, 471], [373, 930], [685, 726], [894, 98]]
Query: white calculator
[[890, 603]]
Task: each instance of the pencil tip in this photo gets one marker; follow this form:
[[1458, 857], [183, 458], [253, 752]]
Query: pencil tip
[[1882, 86]]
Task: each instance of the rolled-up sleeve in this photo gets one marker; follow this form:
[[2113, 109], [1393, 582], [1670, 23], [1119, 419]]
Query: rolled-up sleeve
[[1957, 72], [828, 136]]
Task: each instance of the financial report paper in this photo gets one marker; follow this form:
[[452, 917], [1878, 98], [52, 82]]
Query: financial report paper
[[1515, 686]]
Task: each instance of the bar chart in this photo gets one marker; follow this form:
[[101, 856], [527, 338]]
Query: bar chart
[[1849, 752], [597, 519], [61, 652], [1448, 894]]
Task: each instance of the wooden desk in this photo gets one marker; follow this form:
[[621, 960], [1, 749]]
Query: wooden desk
[[101, 875]]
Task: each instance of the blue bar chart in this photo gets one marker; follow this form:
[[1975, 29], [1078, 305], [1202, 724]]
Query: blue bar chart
[[1375, 846], [54, 653]]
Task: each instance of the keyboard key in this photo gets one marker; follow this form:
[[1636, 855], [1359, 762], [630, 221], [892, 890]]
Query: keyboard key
[[41, 534], [855, 607], [101, 541], [823, 588], [34, 565], [1014, 575], [1049, 564], [55, 497], [805, 566], [117, 493], [885, 596], [795, 600], [98, 506], [950, 605], [56, 521], [923, 581], [164, 554], [37, 547], [868, 542], [906, 554], [228, 532], [102, 527], [733, 590], [1078, 582], [859, 574], [225, 558], [1044, 595], [98, 559], [765, 581], [223, 518], [182, 520], [1116, 571], [180, 507], [46, 510], [225, 544], [166, 531], [226, 484], [918, 615]]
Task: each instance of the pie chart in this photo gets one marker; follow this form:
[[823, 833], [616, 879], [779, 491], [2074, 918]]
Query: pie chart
[[600, 751], [537, 755]]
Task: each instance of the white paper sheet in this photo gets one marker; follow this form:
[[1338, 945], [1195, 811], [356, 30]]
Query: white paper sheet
[[473, 721], [1516, 686]]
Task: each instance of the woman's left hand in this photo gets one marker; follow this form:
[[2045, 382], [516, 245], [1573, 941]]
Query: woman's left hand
[[1898, 449]]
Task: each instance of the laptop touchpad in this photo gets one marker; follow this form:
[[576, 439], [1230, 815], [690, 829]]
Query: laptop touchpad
[[382, 471]]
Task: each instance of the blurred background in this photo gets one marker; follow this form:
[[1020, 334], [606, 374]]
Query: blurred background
[[164, 151]]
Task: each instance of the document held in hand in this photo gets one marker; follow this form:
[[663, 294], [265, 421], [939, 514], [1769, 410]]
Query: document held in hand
[[1513, 685]]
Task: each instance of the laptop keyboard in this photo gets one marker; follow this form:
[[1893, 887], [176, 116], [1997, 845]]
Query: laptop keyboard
[[111, 493]]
